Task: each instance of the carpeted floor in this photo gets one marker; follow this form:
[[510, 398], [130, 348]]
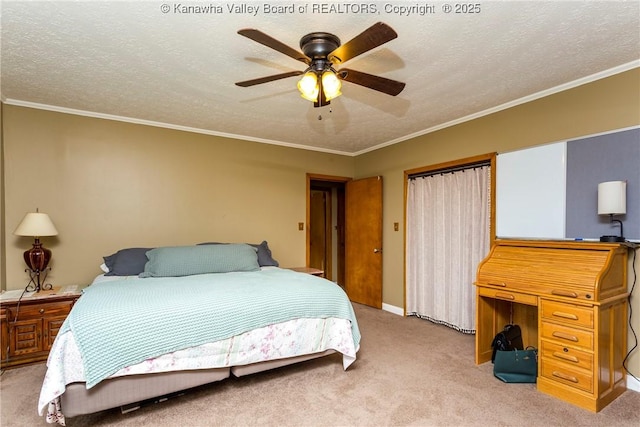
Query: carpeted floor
[[409, 372]]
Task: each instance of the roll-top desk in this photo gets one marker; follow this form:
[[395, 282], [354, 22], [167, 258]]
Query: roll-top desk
[[570, 300]]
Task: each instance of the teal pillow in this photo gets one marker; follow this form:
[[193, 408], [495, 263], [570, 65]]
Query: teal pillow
[[174, 261], [264, 253]]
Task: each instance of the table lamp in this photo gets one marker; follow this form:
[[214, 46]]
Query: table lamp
[[612, 200], [36, 224]]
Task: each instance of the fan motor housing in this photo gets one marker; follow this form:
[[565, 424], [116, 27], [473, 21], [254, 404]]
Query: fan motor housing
[[319, 45]]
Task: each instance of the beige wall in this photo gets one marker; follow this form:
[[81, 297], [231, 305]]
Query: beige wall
[[108, 185], [605, 105]]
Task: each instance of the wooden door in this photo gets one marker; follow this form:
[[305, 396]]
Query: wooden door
[[320, 231], [363, 241]]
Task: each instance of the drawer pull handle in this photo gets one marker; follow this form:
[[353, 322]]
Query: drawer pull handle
[[564, 336], [569, 316], [41, 311], [502, 285], [564, 293], [565, 377], [505, 296], [565, 357]]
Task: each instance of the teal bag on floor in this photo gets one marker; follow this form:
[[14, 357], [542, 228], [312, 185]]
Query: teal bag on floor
[[516, 366]]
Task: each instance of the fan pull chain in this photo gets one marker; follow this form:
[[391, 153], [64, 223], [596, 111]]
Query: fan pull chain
[[320, 115]]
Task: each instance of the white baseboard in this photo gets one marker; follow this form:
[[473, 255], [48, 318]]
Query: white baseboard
[[633, 384], [393, 309]]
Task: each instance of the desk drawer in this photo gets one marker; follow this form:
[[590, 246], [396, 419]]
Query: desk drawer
[[567, 336], [539, 289], [559, 372], [569, 314], [570, 356], [508, 295]]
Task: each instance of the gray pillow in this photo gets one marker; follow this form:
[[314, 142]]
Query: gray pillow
[[126, 262], [265, 259], [175, 261], [264, 255]]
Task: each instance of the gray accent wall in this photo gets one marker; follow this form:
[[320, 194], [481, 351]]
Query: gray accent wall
[[590, 161]]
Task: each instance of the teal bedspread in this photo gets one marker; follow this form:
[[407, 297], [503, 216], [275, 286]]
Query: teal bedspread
[[123, 322]]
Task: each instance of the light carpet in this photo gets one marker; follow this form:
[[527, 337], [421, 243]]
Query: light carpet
[[409, 372]]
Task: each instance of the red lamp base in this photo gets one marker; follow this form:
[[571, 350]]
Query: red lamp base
[[37, 259]]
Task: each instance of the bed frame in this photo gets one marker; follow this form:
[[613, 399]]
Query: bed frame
[[128, 391]]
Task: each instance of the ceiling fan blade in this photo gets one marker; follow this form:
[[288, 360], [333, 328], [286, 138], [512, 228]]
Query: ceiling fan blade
[[268, 79], [264, 39], [374, 36], [381, 84]]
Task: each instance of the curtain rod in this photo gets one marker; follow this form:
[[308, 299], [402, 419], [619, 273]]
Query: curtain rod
[[449, 170]]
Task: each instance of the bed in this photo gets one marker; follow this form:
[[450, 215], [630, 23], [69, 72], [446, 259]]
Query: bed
[[193, 315]]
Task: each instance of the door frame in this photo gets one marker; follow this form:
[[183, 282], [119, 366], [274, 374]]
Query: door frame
[[319, 178]]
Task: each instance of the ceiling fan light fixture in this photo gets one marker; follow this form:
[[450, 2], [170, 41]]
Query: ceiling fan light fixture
[[320, 82], [331, 85], [308, 86]]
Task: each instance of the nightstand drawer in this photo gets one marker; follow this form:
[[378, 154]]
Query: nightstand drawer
[[569, 314], [559, 372], [30, 311], [564, 354], [567, 336]]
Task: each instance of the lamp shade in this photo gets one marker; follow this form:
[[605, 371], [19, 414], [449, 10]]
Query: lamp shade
[[612, 198], [36, 224]]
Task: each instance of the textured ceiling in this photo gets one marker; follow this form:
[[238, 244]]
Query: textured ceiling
[[149, 62]]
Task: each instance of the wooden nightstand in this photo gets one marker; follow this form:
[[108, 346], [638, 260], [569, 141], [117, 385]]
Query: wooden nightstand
[[29, 326], [308, 270]]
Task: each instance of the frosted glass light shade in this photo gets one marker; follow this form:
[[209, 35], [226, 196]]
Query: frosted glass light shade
[[36, 224], [612, 198], [331, 85], [308, 86]]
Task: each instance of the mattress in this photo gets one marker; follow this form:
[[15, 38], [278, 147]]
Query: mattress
[[279, 343]]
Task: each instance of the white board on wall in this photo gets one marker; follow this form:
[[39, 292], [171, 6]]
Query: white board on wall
[[531, 192]]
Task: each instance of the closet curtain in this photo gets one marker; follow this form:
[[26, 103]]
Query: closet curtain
[[447, 236]]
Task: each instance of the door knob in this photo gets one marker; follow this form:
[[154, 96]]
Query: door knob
[[376, 250]]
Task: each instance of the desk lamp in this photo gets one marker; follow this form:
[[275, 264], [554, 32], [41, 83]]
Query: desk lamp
[[36, 224], [612, 200]]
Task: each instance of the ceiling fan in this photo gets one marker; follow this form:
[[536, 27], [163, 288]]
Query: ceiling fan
[[321, 51]]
